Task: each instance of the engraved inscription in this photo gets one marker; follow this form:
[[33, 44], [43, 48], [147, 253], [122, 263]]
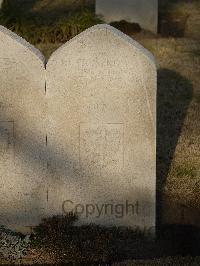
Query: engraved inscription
[[101, 149], [7, 63], [6, 140], [95, 107], [5, 106]]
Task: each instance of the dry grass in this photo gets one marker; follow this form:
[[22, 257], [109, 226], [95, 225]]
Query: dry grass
[[180, 18], [179, 124]]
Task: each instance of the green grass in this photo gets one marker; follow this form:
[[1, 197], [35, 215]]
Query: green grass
[[186, 171], [45, 26]]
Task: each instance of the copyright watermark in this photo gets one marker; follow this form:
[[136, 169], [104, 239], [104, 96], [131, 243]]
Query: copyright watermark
[[101, 209]]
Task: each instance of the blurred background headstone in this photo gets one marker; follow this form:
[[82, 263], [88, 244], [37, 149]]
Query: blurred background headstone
[[143, 12]]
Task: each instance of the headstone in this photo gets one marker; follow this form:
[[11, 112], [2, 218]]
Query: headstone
[[79, 133], [101, 94], [22, 134], [143, 12]]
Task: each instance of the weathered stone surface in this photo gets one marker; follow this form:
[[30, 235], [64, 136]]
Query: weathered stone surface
[[101, 94], [78, 135], [135, 11], [22, 131]]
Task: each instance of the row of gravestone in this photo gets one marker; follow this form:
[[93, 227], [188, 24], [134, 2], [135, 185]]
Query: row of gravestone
[[78, 133]]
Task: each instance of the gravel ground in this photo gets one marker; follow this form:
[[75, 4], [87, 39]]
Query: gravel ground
[[13, 246]]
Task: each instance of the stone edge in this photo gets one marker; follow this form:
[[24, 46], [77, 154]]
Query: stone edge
[[88, 31], [23, 43], [115, 32]]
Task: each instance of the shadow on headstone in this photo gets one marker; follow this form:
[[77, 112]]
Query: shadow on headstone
[[174, 95]]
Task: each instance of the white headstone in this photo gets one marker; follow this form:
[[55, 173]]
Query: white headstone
[[101, 94], [22, 132], [79, 133], [143, 12]]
